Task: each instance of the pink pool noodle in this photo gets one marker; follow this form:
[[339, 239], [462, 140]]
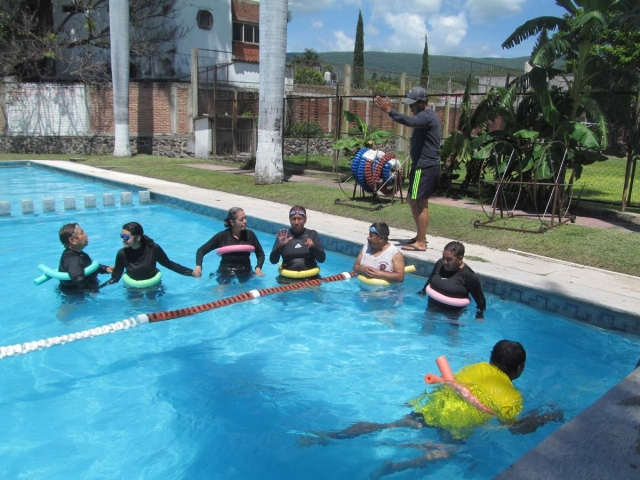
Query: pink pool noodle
[[445, 369]]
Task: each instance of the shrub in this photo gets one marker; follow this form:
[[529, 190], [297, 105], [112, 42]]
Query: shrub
[[305, 129]]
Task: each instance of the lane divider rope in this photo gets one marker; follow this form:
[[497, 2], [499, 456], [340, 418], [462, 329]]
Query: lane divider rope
[[23, 348]]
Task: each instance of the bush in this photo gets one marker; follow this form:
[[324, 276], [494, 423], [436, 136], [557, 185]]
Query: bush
[[305, 129]]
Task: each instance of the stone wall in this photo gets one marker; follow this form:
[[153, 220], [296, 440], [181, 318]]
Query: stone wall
[[167, 146], [320, 146]]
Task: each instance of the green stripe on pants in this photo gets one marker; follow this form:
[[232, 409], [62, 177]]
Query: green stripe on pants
[[416, 184]]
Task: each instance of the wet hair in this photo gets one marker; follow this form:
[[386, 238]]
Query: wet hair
[[456, 248], [508, 356], [66, 232], [297, 209], [380, 228], [231, 215], [137, 231]]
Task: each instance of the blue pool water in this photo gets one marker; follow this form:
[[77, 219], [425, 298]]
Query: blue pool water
[[228, 393]]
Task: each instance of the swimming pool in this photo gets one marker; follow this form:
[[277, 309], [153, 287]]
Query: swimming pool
[[227, 393]]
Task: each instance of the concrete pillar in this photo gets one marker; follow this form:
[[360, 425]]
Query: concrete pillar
[[144, 196], [48, 205], [108, 199], [125, 198], [89, 201], [27, 207], [69, 203]]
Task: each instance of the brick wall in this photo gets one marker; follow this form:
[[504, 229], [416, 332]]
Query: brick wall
[[150, 108]]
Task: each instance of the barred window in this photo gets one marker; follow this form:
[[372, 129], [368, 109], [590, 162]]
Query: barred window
[[245, 32], [205, 20]]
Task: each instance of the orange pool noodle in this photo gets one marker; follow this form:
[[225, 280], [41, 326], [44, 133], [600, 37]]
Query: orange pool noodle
[[430, 378], [445, 369]]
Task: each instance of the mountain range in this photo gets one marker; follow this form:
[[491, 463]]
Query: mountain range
[[411, 63]]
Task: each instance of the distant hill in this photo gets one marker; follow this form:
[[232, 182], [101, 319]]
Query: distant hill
[[411, 63]]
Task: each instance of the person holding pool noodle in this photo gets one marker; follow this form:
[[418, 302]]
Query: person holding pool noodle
[[378, 259], [233, 264], [74, 260], [446, 410], [453, 278], [300, 248], [140, 255]]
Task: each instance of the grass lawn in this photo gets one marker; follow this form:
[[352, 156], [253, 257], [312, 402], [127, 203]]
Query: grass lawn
[[607, 249]]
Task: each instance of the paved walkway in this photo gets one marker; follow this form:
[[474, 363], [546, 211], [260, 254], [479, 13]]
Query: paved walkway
[[625, 223], [602, 442]]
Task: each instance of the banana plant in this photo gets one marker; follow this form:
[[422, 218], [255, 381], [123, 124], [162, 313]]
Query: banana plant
[[351, 144]]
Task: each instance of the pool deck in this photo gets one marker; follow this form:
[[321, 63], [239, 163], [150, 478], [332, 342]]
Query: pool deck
[[604, 440]]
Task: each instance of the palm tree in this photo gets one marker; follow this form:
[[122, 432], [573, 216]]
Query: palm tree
[[273, 50], [119, 32]]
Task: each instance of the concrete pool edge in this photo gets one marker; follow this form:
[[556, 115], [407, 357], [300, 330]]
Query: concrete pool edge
[[614, 412]]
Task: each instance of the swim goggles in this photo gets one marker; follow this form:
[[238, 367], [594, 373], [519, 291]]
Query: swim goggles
[[125, 236], [297, 212]]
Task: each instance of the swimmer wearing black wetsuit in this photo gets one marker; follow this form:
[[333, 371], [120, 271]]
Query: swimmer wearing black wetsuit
[[233, 265], [74, 261], [453, 278], [140, 255], [300, 248]]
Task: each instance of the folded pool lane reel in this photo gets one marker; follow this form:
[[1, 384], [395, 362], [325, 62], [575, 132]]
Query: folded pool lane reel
[[376, 173]]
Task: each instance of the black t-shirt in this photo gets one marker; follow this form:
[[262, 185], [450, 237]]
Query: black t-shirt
[[233, 260], [74, 263], [140, 263], [457, 284], [296, 256], [425, 139]]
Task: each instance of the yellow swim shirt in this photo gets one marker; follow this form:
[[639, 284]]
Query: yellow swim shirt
[[444, 408]]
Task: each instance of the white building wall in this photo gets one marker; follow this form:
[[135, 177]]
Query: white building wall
[[215, 43], [47, 110]]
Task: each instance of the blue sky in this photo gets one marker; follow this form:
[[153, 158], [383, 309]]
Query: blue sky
[[469, 28]]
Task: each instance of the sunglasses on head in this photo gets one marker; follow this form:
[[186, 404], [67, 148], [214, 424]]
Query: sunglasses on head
[[125, 236], [297, 212]]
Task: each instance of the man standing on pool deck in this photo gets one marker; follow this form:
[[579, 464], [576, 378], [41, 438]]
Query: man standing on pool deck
[[425, 159]]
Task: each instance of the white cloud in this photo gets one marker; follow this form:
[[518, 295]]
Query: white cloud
[[317, 24], [487, 10], [401, 23], [382, 8], [446, 33], [311, 5], [341, 42]]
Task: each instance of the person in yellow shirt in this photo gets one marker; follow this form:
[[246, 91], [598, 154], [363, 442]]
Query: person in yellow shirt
[[444, 408]]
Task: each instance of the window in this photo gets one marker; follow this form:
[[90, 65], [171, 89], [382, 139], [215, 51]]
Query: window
[[245, 32], [205, 20]]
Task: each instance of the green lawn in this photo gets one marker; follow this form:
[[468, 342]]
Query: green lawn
[[600, 248]]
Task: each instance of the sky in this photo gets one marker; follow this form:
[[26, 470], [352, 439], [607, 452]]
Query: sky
[[462, 28]]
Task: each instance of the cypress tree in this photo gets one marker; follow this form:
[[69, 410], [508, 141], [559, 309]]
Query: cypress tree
[[358, 55], [424, 73]]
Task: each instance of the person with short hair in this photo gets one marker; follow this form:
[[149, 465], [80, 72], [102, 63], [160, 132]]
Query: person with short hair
[[299, 247], [378, 258], [453, 278], [425, 159], [139, 256], [74, 260], [233, 265], [445, 409]]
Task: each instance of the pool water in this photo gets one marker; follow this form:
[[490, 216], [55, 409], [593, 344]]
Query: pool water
[[228, 393]]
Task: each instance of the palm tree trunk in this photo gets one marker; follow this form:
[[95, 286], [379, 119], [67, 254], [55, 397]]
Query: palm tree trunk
[[119, 33], [273, 50]]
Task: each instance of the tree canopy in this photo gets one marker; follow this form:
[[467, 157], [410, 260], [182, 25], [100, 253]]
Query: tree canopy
[[32, 37]]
